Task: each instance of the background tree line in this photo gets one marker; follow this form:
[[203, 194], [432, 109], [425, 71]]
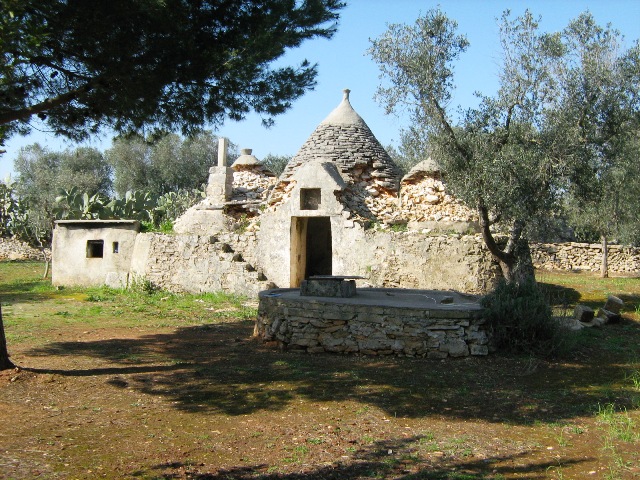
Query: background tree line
[[153, 179]]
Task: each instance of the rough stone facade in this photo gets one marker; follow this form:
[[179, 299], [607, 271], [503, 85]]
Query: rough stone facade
[[194, 263], [345, 139], [341, 326], [585, 257], [234, 263]]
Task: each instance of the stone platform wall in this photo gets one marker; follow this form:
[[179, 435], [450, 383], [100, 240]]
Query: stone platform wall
[[319, 326], [585, 257]]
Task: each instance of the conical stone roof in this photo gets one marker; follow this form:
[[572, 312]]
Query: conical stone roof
[[345, 139]]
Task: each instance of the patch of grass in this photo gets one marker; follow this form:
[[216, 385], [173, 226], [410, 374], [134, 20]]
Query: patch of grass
[[619, 425], [188, 366], [399, 227], [298, 454]]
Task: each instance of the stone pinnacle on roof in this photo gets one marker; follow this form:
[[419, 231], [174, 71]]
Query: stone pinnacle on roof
[[344, 114]]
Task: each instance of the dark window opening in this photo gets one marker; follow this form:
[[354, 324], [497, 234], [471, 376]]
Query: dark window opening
[[95, 248], [310, 198], [115, 247]]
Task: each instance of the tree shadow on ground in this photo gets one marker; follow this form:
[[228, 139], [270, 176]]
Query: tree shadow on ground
[[375, 461], [558, 295], [220, 368]]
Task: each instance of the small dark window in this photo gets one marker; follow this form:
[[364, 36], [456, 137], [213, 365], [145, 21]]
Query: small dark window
[[310, 198], [115, 247], [95, 248]]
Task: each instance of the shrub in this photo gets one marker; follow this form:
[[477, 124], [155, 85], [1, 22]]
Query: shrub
[[520, 320]]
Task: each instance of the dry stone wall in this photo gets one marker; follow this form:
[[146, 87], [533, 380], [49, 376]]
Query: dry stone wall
[[351, 148], [585, 257], [440, 262], [13, 249], [234, 263], [251, 183]]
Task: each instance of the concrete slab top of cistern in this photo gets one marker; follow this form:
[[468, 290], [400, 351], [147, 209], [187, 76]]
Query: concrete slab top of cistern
[[386, 297]]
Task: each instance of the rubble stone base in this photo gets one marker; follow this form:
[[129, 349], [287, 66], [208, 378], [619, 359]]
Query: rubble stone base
[[322, 324]]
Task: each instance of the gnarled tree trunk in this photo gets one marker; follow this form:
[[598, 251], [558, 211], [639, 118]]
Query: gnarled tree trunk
[[515, 258]]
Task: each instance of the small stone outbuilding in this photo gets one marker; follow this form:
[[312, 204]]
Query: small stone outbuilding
[[93, 252]]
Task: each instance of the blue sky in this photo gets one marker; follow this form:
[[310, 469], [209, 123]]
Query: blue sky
[[343, 63]]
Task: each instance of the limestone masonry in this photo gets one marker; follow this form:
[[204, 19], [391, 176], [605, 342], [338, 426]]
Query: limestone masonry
[[376, 322]]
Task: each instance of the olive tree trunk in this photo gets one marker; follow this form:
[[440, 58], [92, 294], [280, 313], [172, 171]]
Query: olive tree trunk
[[604, 267]]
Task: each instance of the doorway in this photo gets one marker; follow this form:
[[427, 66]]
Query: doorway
[[311, 252]]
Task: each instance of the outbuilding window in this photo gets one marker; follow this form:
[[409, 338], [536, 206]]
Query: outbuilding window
[[95, 248]]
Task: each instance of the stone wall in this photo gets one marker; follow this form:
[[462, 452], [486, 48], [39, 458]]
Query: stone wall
[[418, 260], [192, 263], [235, 263], [341, 326], [585, 257], [13, 249]]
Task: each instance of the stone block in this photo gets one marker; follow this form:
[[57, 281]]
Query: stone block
[[614, 304], [333, 328], [371, 318], [478, 350], [338, 315], [582, 313], [608, 316], [320, 287], [300, 312], [371, 309], [369, 352], [455, 347], [374, 344], [477, 338], [319, 323]]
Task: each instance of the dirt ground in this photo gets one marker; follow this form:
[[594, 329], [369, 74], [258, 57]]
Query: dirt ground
[[208, 402]]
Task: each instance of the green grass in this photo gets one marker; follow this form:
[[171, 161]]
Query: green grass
[[31, 304], [566, 289]]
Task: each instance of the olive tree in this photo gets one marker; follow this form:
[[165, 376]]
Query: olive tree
[[496, 156], [596, 111], [163, 164]]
